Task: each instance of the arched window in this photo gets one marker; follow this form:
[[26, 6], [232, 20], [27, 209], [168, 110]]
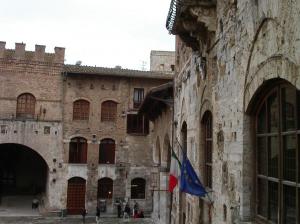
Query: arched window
[[81, 110], [76, 195], [277, 155], [138, 188], [208, 147], [109, 111], [107, 151], [78, 150], [167, 152], [157, 151], [182, 195], [105, 188], [26, 106]]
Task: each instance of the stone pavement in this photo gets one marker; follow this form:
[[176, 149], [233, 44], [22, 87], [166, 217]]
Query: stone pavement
[[70, 220]]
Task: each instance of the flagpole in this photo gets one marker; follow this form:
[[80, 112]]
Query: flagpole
[[180, 146], [173, 130], [171, 203]]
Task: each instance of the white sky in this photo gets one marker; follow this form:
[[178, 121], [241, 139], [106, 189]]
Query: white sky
[[97, 32]]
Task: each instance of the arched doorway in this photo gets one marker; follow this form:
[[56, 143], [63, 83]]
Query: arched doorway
[[23, 176], [76, 195], [105, 188]]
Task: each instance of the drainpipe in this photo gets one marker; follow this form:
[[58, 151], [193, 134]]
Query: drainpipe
[[173, 130], [62, 160]]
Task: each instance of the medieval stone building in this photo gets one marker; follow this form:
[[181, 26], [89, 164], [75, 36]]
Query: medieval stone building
[[236, 109], [70, 135], [158, 107]]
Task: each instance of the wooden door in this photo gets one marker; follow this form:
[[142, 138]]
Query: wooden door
[[76, 195]]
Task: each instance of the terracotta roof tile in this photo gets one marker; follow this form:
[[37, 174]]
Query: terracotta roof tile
[[119, 72]]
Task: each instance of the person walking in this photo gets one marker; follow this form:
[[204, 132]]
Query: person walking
[[97, 215], [127, 211], [35, 203], [135, 209], [119, 208], [83, 214]]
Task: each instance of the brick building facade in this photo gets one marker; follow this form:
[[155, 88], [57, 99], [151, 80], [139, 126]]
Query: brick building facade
[[78, 128]]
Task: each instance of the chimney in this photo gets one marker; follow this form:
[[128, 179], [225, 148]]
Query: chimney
[[59, 55], [2, 48], [39, 53], [20, 50]]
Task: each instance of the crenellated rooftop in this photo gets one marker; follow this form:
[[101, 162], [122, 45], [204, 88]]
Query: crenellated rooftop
[[39, 55]]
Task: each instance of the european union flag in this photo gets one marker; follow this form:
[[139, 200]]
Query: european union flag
[[189, 181]]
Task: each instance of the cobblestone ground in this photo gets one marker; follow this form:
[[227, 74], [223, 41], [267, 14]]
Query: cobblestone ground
[[73, 220]]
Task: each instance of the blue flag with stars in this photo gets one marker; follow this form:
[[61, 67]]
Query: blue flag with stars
[[189, 181]]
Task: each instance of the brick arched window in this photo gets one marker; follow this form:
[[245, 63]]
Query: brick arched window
[[138, 188], [109, 111], [107, 151], [78, 150], [105, 188], [208, 147], [277, 131], [81, 110], [26, 106]]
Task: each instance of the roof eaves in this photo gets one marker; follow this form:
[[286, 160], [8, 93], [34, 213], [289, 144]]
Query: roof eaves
[[150, 99], [88, 70]]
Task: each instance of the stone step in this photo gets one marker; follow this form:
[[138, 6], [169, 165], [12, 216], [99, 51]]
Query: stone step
[[71, 220]]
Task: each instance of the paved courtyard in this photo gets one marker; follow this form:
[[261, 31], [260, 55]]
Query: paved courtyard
[[18, 211], [71, 220]]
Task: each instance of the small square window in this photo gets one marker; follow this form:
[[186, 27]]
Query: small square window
[[161, 67], [3, 129], [137, 124], [138, 97], [47, 130], [172, 68]]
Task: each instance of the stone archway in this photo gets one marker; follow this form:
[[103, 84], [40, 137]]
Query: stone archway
[[23, 177]]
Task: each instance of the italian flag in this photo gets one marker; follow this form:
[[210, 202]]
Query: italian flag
[[174, 171]]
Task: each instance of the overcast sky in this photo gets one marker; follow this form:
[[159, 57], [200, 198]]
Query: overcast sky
[[97, 32]]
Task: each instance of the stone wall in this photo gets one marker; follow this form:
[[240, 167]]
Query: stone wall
[[163, 61], [161, 140], [254, 42]]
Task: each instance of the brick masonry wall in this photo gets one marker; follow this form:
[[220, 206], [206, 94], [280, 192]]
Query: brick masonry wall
[[19, 74], [134, 152], [41, 74]]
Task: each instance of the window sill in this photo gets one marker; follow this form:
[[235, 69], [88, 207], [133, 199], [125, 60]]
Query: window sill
[[137, 134], [25, 119], [78, 164], [107, 164], [109, 122]]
